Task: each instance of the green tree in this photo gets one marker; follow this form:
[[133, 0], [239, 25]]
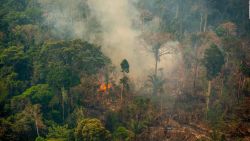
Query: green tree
[[213, 61], [16, 66], [26, 125], [65, 63], [32, 112], [138, 114], [38, 94], [7, 132], [123, 134], [57, 132], [125, 66], [112, 121], [157, 83], [15, 73], [40, 139], [91, 130], [196, 41], [61, 78], [245, 68], [124, 80]]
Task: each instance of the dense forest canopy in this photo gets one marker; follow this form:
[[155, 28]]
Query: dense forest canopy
[[124, 70]]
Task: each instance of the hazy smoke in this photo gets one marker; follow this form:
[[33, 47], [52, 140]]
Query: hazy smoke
[[120, 39], [114, 24]]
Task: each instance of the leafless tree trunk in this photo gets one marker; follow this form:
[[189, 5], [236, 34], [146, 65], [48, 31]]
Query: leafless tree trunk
[[156, 67], [161, 101], [208, 96], [205, 23], [239, 89], [63, 93], [177, 12], [37, 129], [222, 84], [201, 22], [195, 69], [122, 88]]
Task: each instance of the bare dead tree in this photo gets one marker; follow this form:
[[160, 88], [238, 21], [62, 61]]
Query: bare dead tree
[[157, 44]]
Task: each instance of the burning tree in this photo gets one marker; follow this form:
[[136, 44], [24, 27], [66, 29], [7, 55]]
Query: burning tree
[[104, 87], [104, 81]]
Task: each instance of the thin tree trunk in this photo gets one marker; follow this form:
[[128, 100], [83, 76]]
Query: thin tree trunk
[[142, 22], [71, 102], [177, 12], [195, 70], [156, 66], [222, 85], [155, 75], [243, 83], [122, 88], [205, 23], [195, 76], [208, 97], [122, 92], [37, 130], [63, 108], [181, 18], [161, 101], [239, 88], [201, 21]]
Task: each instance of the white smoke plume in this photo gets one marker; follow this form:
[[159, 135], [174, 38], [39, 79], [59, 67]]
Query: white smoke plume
[[113, 24]]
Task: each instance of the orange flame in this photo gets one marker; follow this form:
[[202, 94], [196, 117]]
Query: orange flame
[[104, 87]]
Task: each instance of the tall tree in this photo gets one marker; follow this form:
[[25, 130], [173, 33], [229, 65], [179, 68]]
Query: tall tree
[[124, 80], [66, 62], [213, 61], [196, 42], [32, 112]]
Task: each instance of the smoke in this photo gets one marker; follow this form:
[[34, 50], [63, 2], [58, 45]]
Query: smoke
[[120, 39], [113, 24]]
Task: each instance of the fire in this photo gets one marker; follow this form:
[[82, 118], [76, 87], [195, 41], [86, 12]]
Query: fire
[[104, 87]]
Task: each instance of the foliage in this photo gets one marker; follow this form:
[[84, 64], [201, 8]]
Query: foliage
[[82, 56], [220, 31], [60, 76], [215, 116], [40, 139], [245, 68], [91, 130], [15, 69], [58, 132], [125, 82], [38, 94], [76, 116], [3, 91], [138, 114], [157, 83], [123, 134], [137, 126], [125, 66], [213, 61], [49, 82], [112, 121], [32, 113]]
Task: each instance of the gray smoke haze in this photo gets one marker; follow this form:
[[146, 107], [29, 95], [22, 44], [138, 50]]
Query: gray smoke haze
[[113, 24]]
